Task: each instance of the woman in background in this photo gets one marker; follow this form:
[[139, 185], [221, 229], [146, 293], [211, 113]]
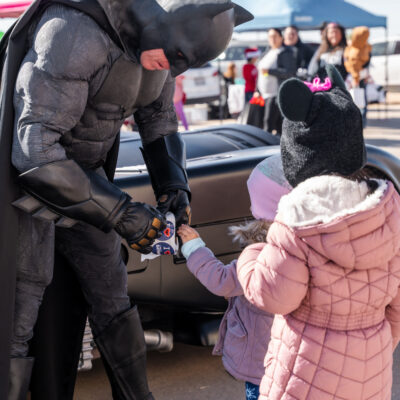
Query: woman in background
[[278, 64], [330, 51]]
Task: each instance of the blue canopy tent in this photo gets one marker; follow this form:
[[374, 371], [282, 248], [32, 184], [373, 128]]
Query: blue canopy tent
[[306, 14]]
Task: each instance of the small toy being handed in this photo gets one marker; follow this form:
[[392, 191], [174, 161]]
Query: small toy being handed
[[187, 233], [166, 244]]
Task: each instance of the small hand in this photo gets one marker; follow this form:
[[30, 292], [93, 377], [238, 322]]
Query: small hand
[[187, 233]]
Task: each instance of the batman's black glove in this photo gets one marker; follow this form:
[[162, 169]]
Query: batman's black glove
[[177, 202], [140, 224]]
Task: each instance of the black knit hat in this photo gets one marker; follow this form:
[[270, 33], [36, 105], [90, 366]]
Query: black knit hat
[[322, 131]]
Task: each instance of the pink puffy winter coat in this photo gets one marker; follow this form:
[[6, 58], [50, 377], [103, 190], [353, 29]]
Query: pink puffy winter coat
[[331, 269]]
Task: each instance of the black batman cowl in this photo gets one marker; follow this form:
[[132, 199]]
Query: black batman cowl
[[191, 32]]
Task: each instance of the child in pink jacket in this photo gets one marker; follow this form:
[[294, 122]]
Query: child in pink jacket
[[244, 330], [330, 267]]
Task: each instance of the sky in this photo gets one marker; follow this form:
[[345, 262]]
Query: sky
[[388, 8]]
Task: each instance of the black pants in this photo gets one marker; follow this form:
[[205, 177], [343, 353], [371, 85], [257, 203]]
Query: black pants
[[272, 116], [95, 258]]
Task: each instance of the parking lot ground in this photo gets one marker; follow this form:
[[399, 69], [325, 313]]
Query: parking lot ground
[[192, 373], [186, 373], [383, 128]]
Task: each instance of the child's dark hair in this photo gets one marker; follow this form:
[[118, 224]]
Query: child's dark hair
[[367, 175]]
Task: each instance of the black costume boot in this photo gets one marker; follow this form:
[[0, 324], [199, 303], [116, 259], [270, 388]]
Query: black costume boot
[[123, 349], [20, 375]]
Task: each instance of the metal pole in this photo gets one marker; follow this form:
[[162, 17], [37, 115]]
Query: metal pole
[[386, 59], [220, 110], [386, 67]]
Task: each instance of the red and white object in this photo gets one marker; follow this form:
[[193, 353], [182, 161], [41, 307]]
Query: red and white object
[[252, 52], [13, 9]]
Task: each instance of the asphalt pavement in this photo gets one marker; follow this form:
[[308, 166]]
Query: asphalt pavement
[[192, 373]]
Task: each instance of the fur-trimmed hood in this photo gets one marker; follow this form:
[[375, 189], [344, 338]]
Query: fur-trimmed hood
[[342, 222], [251, 232], [322, 199]]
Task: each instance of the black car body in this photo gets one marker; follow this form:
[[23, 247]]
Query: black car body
[[220, 160]]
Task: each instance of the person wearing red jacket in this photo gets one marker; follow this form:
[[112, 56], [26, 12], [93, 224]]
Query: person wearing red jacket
[[250, 72]]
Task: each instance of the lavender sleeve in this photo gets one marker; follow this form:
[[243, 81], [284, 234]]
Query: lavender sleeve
[[218, 278]]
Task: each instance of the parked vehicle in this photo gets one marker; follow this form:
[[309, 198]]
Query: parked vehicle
[[377, 68], [220, 160], [202, 84], [235, 53]]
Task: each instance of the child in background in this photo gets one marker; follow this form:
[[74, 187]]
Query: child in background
[[244, 330], [179, 97], [230, 74], [330, 269], [250, 72]]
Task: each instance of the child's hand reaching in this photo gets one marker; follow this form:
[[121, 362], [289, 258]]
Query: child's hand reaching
[[187, 233]]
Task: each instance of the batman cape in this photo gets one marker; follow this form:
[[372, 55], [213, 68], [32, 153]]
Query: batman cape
[[60, 326]]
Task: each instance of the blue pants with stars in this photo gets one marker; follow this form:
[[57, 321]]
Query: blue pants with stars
[[252, 391]]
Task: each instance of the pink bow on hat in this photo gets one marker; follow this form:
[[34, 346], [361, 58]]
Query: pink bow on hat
[[317, 86]]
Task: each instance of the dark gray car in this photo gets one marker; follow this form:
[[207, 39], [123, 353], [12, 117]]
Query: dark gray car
[[220, 160]]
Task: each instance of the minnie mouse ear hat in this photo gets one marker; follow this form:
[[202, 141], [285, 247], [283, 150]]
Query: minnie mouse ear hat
[[322, 129]]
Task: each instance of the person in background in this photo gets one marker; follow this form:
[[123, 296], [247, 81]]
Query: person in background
[[250, 72], [356, 60], [244, 330], [304, 52], [230, 74], [229, 77], [278, 64], [322, 29], [179, 98], [330, 51]]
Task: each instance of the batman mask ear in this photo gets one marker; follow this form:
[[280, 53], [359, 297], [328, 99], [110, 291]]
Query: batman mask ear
[[335, 77], [242, 15], [294, 99], [211, 10]]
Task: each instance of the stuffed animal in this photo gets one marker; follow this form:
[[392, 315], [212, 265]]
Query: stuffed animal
[[358, 54]]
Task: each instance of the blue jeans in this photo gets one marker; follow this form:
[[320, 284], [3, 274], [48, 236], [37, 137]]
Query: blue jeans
[[252, 391]]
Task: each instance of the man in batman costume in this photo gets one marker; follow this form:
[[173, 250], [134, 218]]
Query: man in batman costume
[[72, 71]]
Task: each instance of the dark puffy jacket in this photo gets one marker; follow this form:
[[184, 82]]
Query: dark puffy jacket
[[287, 65]]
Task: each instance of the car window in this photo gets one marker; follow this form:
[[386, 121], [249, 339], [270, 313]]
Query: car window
[[236, 53], [397, 48], [379, 49]]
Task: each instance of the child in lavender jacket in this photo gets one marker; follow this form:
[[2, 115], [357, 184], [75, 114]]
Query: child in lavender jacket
[[244, 330]]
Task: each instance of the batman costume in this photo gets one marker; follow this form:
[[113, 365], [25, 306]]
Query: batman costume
[[73, 70]]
